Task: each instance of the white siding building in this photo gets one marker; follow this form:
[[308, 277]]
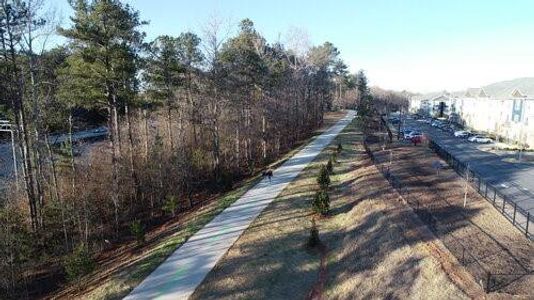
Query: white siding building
[[506, 112]]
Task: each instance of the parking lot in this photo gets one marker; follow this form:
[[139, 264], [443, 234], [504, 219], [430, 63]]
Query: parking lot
[[514, 180]]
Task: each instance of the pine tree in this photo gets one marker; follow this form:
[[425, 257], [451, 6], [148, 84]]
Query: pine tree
[[103, 68], [163, 74], [245, 72], [330, 166], [314, 239], [365, 99], [323, 179], [321, 202]]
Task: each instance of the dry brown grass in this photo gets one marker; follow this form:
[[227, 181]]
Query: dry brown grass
[[477, 235], [375, 246]]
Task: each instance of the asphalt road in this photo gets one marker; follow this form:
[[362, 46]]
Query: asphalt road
[[180, 274], [6, 154], [514, 180]]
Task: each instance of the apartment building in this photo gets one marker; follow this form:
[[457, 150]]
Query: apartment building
[[505, 109]]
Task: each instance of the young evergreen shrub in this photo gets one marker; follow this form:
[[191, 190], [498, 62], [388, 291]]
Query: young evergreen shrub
[[78, 263], [339, 148], [226, 180], [170, 205], [138, 231], [323, 179], [321, 202], [330, 166], [334, 157], [313, 239]]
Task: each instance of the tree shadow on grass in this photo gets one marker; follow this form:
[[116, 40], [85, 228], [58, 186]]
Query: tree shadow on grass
[[270, 260], [499, 263]]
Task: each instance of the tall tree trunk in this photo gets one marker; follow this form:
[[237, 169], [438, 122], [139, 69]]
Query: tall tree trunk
[[55, 188], [215, 137], [133, 172], [264, 136], [169, 128], [145, 119], [35, 154], [115, 152], [237, 147], [17, 100], [72, 159]]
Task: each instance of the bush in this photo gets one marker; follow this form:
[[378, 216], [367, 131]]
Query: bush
[[313, 239], [226, 180], [15, 250], [324, 178], [334, 157], [138, 231], [170, 206], [78, 263], [321, 203], [330, 166], [339, 148]]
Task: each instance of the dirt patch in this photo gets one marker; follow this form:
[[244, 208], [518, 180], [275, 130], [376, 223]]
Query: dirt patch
[[497, 255], [375, 248]]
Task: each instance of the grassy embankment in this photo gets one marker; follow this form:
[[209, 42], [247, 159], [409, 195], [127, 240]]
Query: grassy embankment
[[374, 246]]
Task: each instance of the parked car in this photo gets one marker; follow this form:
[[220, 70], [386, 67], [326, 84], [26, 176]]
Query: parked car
[[435, 123], [461, 133], [480, 139], [442, 126], [413, 134], [406, 132]]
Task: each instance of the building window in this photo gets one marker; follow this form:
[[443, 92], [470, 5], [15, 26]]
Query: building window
[[517, 110]]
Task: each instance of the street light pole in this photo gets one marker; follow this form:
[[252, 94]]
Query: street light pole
[[5, 126], [400, 121]]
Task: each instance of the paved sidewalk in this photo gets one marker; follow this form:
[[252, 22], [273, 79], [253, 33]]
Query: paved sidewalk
[[180, 274]]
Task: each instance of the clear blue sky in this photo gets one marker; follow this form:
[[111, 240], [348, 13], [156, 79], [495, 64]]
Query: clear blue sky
[[419, 45]]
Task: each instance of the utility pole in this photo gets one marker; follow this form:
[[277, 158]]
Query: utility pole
[[400, 122], [521, 144], [5, 126]]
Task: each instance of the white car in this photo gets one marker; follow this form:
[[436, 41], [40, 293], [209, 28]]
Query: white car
[[412, 134], [461, 133], [480, 139]]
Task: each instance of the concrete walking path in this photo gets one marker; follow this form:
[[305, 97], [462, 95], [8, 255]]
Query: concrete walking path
[[180, 274]]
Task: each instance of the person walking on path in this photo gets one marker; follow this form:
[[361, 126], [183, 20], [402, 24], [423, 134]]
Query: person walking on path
[[183, 271], [268, 173]]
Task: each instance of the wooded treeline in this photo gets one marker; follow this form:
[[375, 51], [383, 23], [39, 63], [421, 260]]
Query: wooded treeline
[[186, 118]]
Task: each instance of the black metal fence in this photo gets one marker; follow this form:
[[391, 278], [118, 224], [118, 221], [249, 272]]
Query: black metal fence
[[490, 281], [519, 217]]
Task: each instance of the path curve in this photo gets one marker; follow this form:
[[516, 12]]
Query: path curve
[[182, 272]]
